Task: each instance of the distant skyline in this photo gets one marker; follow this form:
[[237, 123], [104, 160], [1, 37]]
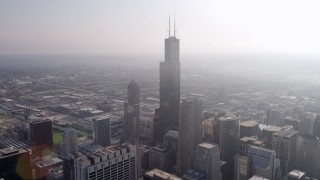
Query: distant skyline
[[139, 26]]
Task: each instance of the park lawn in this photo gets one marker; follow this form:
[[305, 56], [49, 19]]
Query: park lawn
[[57, 136]]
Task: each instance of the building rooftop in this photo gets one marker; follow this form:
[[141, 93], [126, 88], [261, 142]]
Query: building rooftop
[[207, 145], [296, 173], [256, 177], [11, 147], [162, 174], [229, 118], [191, 174], [272, 128], [45, 163], [249, 123]]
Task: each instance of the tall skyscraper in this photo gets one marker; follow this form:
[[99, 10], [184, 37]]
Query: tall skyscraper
[[101, 129], [190, 131], [308, 155], [249, 128], [263, 162], [208, 160], [316, 126], [273, 117], [229, 133], [284, 142], [70, 142], [41, 137], [132, 112], [168, 117]]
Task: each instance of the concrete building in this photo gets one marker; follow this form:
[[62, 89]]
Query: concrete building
[[101, 129], [190, 129], [169, 88], [240, 167], [113, 162], [208, 161], [43, 166], [284, 143], [132, 112], [70, 142]]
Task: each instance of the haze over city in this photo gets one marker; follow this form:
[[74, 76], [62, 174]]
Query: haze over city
[[133, 27], [159, 90]]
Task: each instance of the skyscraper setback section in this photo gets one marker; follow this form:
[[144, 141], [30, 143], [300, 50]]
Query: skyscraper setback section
[[168, 117]]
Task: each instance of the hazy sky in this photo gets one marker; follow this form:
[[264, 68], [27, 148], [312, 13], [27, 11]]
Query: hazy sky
[[139, 26]]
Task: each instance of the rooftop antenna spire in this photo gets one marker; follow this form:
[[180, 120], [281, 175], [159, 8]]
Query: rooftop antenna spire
[[169, 26], [174, 28]]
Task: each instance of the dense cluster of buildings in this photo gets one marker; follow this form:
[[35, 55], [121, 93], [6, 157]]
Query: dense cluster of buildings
[[178, 141]]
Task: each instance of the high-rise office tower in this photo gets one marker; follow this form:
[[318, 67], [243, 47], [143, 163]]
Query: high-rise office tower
[[273, 117], [306, 124], [308, 155], [263, 162], [101, 129], [316, 126], [132, 112], [70, 142], [190, 131], [161, 158], [267, 134], [41, 137], [284, 142], [168, 117], [241, 159], [170, 141], [249, 128], [229, 129], [288, 120], [208, 160], [112, 162]]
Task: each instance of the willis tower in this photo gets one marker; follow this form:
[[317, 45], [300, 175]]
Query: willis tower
[[167, 116]]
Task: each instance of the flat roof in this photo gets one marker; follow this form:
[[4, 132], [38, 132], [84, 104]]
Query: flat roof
[[161, 173], [296, 173], [207, 145], [249, 123]]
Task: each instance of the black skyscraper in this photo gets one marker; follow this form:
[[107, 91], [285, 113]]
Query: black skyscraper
[[41, 137], [168, 117]]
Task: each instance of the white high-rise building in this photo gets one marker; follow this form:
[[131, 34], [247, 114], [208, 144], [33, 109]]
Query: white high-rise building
[[190, 133], [208, 160], [70, 142]]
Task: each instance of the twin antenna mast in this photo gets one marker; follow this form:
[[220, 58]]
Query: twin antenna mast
[[174, 27]]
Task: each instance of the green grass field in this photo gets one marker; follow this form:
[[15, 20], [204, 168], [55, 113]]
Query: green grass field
[[57, 136]]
